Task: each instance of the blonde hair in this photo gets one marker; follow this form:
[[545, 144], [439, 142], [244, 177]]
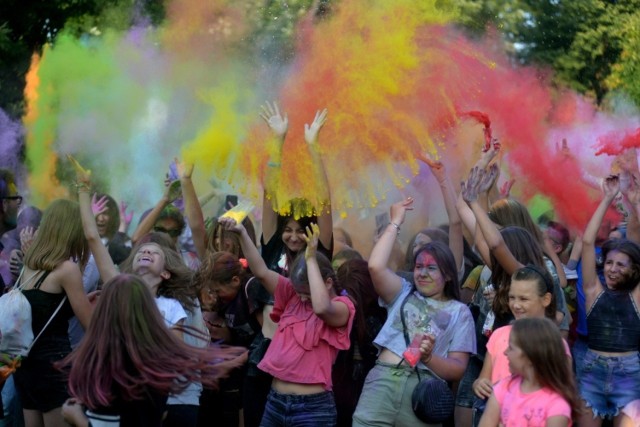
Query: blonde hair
[[60, 238]]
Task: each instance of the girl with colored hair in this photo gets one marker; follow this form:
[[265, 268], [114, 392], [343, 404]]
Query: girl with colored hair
[[431, 310], [609, 375], [314, 322], [52, 278], [541, 391], [163, 271], [129, 361]]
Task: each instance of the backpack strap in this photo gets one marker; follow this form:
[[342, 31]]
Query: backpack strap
[[18, 285]]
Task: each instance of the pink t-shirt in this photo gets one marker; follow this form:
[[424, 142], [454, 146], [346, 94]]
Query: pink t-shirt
[[498, 343], [531, 409], [304, 347]]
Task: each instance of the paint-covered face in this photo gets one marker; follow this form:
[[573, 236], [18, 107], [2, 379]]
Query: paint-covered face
[[429, 279], [518, 361], [421, 240], [226, 292], [149, 259], [524, 300], [293, 236], [617, 268]]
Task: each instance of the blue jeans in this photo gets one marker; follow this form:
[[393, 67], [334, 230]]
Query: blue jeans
[[293, 410], [607, 384]]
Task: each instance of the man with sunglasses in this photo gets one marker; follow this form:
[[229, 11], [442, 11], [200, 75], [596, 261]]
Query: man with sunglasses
[[10, 201]]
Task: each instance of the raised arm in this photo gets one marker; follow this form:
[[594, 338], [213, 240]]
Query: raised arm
[[146, 225], [268, 278], [325, 219], [630, 189], [590, 283], [100, 253], [456, 243], [386, 283], [333, 313], [477, 181], [192, 208], [279, 126]]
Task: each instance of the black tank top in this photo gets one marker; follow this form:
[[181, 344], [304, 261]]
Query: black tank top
[[43, 305], [614, 323]]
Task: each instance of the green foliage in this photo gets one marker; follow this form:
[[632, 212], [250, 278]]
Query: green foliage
[[589, 43]]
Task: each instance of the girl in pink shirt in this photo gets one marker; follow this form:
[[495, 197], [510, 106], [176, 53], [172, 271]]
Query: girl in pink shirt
[[314, 323], [541, 391]]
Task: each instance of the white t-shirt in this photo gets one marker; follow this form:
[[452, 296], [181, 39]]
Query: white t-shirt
[[171, 310]]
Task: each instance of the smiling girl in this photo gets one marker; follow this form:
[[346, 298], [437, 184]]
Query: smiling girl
[[431, 305]]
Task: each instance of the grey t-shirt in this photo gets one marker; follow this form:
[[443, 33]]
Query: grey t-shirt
[[451, 322]]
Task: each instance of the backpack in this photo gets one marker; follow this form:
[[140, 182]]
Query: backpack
[[16, 333]]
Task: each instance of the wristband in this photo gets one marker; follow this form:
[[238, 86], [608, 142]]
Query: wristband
[[396, 226]]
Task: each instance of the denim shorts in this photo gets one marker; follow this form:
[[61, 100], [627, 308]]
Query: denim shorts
[[608, 383], [299, 410], [386, 397]]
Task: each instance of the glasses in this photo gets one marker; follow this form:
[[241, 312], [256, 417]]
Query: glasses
[[173, 232], [16, 198]]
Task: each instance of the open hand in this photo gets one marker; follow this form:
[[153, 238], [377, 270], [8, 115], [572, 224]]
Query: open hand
[[399, 210], [611, 186], [277, 123], [312, 236], [98, 206], [311, 131]]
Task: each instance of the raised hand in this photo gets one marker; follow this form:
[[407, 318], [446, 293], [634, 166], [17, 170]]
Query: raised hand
[[490, 177], [437, 168], [505, 188], [125, 216], [98, 206], [278, 124], [311, 131], [312, 236], [399, 210], [230, 224], [470, 189], [611, 186], [183, 169], [27, 235], [488, 156]]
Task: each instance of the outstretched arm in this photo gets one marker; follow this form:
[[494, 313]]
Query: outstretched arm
[[192, 208], [590, 283], [146, 225], [456, 243], [386, 283], [100, 253], [325, 219], [268, 278], [477, 181], [279, 125], [333, 313]]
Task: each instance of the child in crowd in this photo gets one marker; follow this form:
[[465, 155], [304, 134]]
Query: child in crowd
[[314, 323], [541, 391]]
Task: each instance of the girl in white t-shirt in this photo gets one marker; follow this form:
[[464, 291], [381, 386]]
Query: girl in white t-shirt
[[541, 391]]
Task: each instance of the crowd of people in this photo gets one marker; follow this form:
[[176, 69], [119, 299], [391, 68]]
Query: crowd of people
[[193, 321]]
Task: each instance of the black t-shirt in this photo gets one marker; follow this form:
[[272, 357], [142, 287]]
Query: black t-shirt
[[240, 314]]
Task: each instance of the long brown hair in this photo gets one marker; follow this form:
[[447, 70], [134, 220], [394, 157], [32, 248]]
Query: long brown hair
[[60, 237], [541, 342], [128, 351]]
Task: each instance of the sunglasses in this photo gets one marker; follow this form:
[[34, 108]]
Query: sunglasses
[[16, 198], [173, 232]]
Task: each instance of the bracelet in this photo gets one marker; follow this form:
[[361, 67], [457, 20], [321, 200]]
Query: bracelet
[[273, 164], [396, 226]]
